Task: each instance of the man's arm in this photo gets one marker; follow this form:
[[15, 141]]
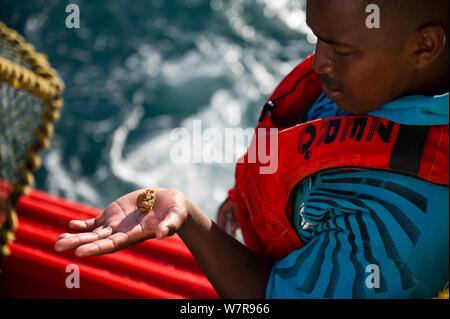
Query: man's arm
[[233, 269]]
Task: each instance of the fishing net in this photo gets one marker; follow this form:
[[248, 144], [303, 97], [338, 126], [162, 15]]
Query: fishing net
[[30, 100]]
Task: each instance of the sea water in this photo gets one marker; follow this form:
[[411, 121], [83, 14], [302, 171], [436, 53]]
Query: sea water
[[137, 70]]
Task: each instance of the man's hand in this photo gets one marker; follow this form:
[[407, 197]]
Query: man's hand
[[121, 224], [226, 217], [234, 270]]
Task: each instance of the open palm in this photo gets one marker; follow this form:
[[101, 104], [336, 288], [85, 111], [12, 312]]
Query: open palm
[[121, 224]]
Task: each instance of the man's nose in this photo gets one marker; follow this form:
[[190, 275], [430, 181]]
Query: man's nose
[[322, 63]]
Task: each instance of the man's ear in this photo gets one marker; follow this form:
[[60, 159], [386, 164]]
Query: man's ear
[[430, 42]]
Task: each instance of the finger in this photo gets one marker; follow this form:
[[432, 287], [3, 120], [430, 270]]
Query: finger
[[233, 222], [221, 215], [101, 231], [222, 211], [61, 236], [170, 224], [71, 241], [234, 228], [105, 246], [81, 224], [229, 222], [87, 225]]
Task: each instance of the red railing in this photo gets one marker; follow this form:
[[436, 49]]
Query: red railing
[[153, 269]]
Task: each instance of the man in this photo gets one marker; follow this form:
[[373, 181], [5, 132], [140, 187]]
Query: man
[[399, 73]]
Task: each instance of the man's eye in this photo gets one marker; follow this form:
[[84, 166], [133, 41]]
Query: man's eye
[[341, 52]]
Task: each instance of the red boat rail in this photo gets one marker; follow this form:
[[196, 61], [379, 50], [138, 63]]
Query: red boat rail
[[153, 269]]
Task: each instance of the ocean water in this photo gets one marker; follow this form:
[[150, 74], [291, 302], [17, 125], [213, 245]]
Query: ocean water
[[137, 70]]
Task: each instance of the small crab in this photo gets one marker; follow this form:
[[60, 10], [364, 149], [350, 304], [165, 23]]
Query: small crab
[[146, 200]]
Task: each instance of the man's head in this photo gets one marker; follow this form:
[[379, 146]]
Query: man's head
[[364, 68]]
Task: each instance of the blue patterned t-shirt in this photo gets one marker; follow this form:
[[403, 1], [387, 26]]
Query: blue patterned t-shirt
[[369, 234]]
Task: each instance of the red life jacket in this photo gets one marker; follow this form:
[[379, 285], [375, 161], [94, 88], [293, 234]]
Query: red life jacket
[[263, 201]]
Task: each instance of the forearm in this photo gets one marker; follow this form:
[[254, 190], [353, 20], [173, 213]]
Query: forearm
[[234, 270]]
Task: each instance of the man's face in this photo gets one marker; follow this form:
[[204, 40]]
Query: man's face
[[361, 69]]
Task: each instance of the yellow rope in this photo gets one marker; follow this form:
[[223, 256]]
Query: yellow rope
[[38, 62], [444, 293], [35, 76]]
